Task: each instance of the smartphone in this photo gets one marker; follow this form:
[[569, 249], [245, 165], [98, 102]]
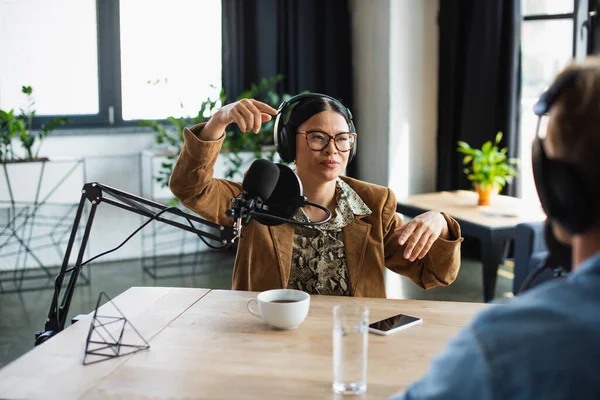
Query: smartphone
[[394, 324]]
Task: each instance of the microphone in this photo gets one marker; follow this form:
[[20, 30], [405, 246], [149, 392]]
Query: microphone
[[272, 193], [285, 198], [257, 186]]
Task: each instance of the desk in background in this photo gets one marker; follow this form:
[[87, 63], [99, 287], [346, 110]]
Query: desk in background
[[205, 344], [492, 225]]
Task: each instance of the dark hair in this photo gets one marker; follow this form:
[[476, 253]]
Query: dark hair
[[574, 122], [305, 109]]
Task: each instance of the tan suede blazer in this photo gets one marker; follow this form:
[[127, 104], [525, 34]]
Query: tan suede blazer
[[265, 252]]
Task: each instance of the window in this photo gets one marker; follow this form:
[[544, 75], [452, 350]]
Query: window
[[110, 62], [551, 36], [40, 53]]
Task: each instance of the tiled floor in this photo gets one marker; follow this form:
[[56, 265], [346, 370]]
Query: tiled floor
[[22, 314]]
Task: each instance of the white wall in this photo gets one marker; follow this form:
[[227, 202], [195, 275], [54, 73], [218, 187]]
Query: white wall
[[371, 53], [395, 64], [395, 71]]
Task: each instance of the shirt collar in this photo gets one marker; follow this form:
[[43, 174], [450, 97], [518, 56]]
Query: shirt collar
[[356, 204]]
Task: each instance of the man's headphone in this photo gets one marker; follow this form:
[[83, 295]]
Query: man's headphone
[[285, 141], [560, 186]]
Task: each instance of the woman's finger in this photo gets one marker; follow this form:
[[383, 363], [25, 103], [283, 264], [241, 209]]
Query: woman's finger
[[247, 114], [427, 247], [421, 243], [414, 241], [239, 119], [257, 117], [264, 107], [398, 231], [408, 230]]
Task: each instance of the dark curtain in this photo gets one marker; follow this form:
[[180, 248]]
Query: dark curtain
[[308, 42], [479, 81]]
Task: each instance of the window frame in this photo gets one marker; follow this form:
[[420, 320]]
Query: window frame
[[110, 105], [582, 18], [581, 14]]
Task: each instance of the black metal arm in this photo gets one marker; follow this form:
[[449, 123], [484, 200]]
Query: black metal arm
[[95, 193]]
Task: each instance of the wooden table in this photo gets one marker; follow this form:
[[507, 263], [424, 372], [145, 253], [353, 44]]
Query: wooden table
[[492, 225], [205, 345]]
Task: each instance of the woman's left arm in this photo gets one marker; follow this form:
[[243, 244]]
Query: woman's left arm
[[427, 249]]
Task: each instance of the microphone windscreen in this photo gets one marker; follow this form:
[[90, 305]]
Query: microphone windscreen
[[261, 179], [286, 197]]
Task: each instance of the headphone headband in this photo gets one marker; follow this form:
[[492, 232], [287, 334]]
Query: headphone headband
[[547, 99], [299, 97]]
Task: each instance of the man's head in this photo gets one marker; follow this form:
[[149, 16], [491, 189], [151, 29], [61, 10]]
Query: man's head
[[572, 138]]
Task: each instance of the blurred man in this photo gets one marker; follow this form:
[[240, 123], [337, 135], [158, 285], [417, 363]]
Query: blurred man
[[545, 344]]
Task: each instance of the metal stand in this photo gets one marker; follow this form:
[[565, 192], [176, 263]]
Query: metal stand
[[97, 193]]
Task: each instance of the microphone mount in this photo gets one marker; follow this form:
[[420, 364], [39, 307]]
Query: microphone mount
[[97, 193]]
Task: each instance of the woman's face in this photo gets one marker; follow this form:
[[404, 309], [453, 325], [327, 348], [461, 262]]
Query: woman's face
[[323, 166]]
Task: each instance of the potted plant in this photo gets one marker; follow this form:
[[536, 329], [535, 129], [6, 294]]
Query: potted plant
[[20, 126], [489, 168], [27, 177]]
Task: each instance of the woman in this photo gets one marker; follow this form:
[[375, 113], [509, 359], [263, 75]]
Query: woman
[[348, 254]]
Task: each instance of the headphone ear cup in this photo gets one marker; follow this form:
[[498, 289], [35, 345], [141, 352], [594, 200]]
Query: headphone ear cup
[[561, 191], [279, 137], [352, 130], [284, 145]]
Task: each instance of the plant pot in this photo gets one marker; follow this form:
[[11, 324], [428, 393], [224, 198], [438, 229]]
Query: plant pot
[[485, 194]]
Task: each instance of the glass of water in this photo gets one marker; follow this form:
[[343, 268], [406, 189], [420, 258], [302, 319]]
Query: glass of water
[[350, 347]]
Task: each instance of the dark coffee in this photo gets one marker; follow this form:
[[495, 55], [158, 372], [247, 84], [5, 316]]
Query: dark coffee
[[283, 301]]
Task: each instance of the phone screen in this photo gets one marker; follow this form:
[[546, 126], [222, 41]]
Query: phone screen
[[393, 322]]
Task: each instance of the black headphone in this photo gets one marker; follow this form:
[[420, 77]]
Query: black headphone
[[285, 141], [560, 186]]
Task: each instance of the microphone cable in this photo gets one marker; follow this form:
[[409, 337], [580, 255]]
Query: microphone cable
[[293, 221], [154, 217]]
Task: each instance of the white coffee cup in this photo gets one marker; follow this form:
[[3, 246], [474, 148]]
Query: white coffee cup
[[281, 308]]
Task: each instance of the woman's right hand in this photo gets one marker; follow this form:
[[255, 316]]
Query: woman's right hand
[[248, 114]]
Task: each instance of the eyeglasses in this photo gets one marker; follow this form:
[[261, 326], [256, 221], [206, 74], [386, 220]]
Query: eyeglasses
[[318, 141]]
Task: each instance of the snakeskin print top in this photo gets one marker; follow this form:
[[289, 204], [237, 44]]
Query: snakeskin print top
[[319, 258]]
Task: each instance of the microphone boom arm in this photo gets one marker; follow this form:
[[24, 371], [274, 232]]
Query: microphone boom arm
[[93, 192]]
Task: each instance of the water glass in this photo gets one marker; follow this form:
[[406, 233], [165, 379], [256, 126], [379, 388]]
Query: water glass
[[350, 347]]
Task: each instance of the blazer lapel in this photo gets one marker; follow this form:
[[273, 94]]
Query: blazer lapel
[[283, 239], [356, 236]]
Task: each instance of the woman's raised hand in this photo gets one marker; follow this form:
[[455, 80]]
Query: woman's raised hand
[[248, 114]]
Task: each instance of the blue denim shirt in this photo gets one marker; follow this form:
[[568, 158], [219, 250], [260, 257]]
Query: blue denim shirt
[[544, 344]]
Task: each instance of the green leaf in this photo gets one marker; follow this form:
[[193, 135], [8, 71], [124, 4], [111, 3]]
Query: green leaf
[[467, 160], [498, 138], [486, 147]]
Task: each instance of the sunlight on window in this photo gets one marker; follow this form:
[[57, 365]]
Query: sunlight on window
[[547, 47], [170, 56], [53, 48], [529, 7]]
